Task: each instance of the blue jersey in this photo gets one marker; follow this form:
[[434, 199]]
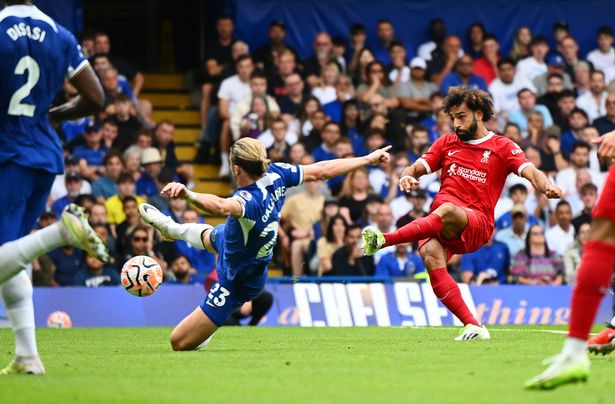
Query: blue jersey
[[249, 239], [36, 55]]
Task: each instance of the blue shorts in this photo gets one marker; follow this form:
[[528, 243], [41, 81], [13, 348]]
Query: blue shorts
[[228, 295], [23, 196]]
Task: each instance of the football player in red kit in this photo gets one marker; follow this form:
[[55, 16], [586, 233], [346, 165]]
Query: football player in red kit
[[474, 164], [593, 281]]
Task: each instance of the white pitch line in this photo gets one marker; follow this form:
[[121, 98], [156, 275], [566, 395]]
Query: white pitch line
[[502, 329]]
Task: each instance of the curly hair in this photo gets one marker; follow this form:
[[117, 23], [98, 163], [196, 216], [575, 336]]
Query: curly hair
[[474, 98]]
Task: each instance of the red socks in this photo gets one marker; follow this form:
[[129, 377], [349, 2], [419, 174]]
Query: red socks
[[593, 281], [416, 230], [447, 290]]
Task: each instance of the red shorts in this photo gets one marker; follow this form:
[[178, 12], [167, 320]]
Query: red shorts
[[477, 233], [605, 207]]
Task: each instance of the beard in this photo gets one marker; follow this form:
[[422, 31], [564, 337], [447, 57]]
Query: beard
[[468, 134]]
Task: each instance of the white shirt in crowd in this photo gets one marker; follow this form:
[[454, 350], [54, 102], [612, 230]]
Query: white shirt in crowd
[[604, 62], [325, 94], [400, 206], [587, 103], [505, 95], [566, 179], [266, 138], [242, 108], [405, 74], [233, 90], [558, 239], [529, 68], [428, 47], [58, 189]]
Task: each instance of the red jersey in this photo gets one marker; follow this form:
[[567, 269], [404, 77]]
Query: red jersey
[[474, 171]]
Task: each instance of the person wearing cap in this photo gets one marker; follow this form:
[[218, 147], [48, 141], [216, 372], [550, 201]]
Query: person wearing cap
[[463, 76], [594, 101], [72, 179], [486, 66], [114, 205], [534, 65], [58, 189], [151, 161], [555, 66], [514, 236], [527, 105], [603, 57], [414, 94], [518, 194], [93, 151]]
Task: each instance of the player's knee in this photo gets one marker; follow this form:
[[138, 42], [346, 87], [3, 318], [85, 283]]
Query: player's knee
[[446, 211], [431, 256], [178, 342], [17, 290]]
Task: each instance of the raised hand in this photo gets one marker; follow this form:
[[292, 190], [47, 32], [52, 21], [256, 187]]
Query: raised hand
[[379, 156]]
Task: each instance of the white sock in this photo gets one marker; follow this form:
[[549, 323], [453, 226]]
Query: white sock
[[613, 321], [17, 296], [189, 232], [574, 347], [15, 255]]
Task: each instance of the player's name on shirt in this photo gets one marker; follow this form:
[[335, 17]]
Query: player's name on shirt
[[22, 29]]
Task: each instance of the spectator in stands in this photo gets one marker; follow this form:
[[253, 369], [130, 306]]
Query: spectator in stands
[[202, 261], [330, 134], [606, 123], [184, 273], [141, 243], [132, 163], [572, 256], [579, 159], [463, 76], [68, 261], [561, 236], [277, 36], [570, 52], [338, 52], [399, 72], [254, 122], [514, 236], [486, 266], [386, 37], [291, 102], [594, 101], [402, 262], [96, 274], [521, 44], [554, 87], [151, 161], [312, 127], [437, 34], [443, 124], [324, 89], [163, 140], [418, 200], [414, 94], [132, 220], [344, 91], [377, 83], [98, 214], [588, 194], [430, 122], [73, 186], [561, 30], [110, 81], [358, 37], [102, 44], [518, 195], [476, 37], [603, 57], [279, 149], [92, 152], [588, 134], [358, 71], [534, 65], [443, 59], [505, 87], [417, 139], [582, 71], [566, 102], [354, 194], [105, 187], [577, 121], [349, 260], [114, 205], [555, 66], [527, 105], [536, 264], [323, 55], [330, 243], [286, 66], [300, 213], [127, 124], [512, 131], [109, 134], [144, 141], [486, 65]]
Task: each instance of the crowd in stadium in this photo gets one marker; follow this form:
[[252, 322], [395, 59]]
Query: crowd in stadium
[[350, 97]]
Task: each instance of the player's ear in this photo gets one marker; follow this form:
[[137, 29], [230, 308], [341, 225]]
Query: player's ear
[[479, 115], [236, 170]]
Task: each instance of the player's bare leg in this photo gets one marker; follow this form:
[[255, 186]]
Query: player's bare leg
[[193, 332], [593, 281]]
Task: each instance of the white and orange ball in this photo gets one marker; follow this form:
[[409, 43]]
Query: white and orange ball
[[59, 319], [141, 276]]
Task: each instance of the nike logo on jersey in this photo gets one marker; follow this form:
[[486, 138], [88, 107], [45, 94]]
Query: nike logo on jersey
[[453, 152]]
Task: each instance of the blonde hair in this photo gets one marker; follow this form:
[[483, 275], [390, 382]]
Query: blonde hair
[[251, 156]]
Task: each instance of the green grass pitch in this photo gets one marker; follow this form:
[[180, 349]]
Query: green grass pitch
[[297, 365]]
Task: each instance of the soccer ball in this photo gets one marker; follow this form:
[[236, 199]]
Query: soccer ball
[[141, 276], [59, 319]]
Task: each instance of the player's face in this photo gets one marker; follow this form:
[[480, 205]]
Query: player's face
[[464, 122]]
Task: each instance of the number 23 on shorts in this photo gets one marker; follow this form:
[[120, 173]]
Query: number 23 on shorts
[[220, 299]]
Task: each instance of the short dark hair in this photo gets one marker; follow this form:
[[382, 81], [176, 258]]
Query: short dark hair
[[597, 71], [129, 198], [475, 99], [604, 30], [561, 203], [508, 124], [490, 36], [396, 43], [566, 93], [242, 58], [338, 41], [436, 95], [580, 144], [375, 131], [122, 97], [506, 61], [419, 128], [111, 154], [523, 90], [356, 29], [558, 75], [224, 16], [83, 198], [517, 187], [537, 40], [326, 125], [577, 110], [125, 177], [258, 74], [384, 21], [352, 226], [585, 188]]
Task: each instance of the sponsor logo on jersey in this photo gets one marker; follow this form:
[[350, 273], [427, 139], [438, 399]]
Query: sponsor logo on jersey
[[516, 151], [468, 173], [245, 195], [486, 155], [453, 152]]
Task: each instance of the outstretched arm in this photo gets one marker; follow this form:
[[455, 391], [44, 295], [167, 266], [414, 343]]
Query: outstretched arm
[[324, 170], [409, 177], [540, 182], [207, 202]]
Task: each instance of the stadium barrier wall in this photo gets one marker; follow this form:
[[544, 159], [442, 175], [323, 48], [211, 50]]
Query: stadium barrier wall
[[318, 305]]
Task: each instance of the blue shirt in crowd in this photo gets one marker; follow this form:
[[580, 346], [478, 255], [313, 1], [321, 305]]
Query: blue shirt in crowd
[[493, 257]]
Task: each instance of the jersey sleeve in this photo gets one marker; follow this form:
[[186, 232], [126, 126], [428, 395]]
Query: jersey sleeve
[[432, 160], [75, 59], [292, 175], [245, 198], [515, 157]]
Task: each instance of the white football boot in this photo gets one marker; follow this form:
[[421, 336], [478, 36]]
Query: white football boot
[[22, 365], [156, 218], [473, 332]]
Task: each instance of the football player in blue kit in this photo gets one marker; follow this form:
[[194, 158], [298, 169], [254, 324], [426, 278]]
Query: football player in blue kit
[[36, 56], [244, 244]]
